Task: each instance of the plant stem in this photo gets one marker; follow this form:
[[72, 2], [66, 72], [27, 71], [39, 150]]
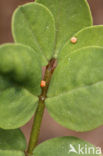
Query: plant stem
[[36, 127], [40, 109]]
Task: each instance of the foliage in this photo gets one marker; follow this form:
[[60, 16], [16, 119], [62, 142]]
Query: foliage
[[42, 31]]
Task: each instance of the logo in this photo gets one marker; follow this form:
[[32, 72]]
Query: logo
[[84, 149], [72, 149]]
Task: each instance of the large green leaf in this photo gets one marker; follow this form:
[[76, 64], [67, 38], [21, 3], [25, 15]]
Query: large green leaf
[[33, 25], [75, 96], [20, 76], [89, 36], [63, 146], [12, 143], [70, 17], [11, 153]]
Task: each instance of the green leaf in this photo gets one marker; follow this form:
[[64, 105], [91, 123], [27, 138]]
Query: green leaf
[[89, 36], [77, 100], [33, 25], [11, 153], [70, 17], [20, 76], [62, 146], [12, 142]]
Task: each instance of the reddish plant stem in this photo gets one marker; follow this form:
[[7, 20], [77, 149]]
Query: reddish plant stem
[[40, 109]]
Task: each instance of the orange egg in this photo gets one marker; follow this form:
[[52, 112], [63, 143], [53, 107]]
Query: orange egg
[[43, 83], [73, 40]]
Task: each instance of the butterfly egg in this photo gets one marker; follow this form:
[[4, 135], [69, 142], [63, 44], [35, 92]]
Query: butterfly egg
[[43, 83], [73, 40]]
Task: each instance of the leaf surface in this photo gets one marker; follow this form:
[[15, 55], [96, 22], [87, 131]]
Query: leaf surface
[[77, 100], [64, 146], [70, 17], [33, 25], [12, 142], [90, 36], [20, 76]]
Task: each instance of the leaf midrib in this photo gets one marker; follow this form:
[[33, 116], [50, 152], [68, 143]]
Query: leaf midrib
[[74, 89], [37, 43]]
